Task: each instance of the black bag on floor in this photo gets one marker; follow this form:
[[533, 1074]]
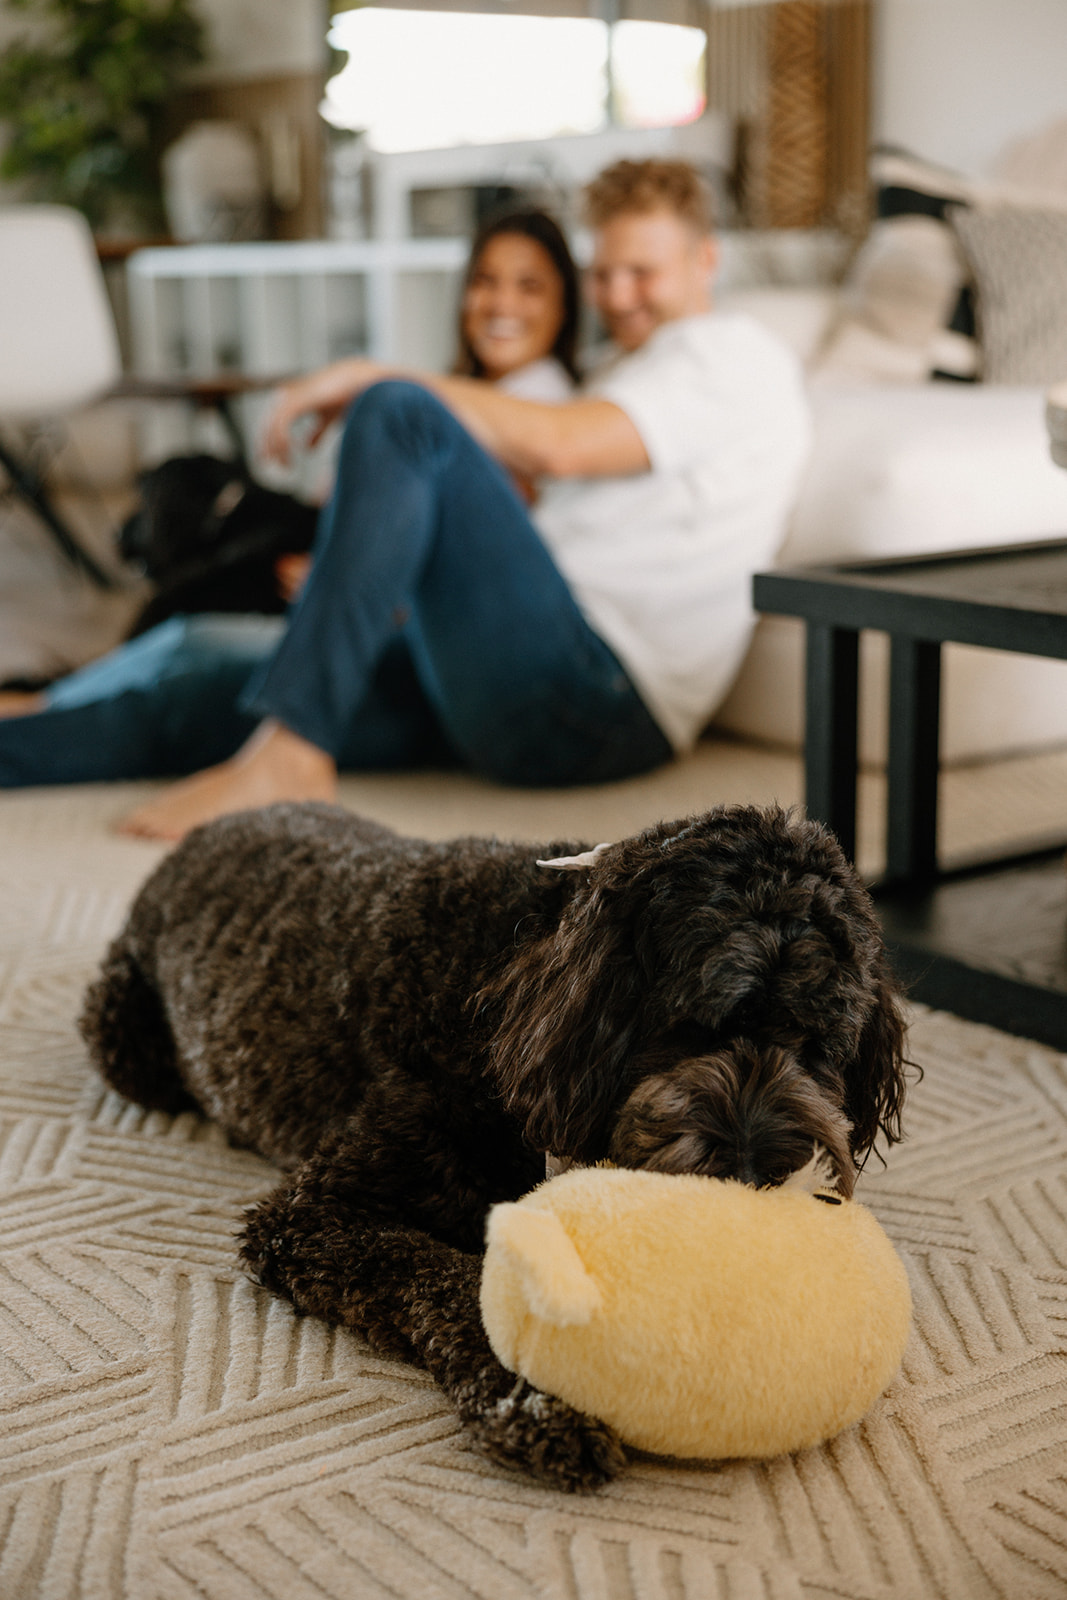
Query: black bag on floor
[[208, 536]]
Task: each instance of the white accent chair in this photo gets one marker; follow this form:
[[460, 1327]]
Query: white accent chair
[[59, 352], [60, 348]]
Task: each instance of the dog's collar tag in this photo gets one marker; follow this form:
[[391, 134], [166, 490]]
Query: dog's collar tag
[[588, 858], [228, 499]]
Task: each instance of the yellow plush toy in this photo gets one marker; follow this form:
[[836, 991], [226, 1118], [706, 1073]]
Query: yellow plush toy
[[698, 1317]]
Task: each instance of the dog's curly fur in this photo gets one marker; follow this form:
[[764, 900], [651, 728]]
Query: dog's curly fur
[[208, 537], [410, 1027]]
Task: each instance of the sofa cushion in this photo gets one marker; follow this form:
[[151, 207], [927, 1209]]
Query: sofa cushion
[[799, 316], [906, 309], [1018, 261], [909, 470]]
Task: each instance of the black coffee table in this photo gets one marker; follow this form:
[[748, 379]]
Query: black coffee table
[[988, 941]]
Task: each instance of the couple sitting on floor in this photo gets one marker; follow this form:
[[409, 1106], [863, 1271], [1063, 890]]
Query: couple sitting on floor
[[547, 587]]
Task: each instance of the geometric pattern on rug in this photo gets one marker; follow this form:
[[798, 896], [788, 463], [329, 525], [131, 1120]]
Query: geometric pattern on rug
[[169, 1431]]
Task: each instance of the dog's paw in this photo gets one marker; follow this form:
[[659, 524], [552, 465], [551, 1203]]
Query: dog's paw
[[263, 1254], [547, 1438]]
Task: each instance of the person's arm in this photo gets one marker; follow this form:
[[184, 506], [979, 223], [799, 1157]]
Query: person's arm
[[582, 438], [586, 437], [322, 395]]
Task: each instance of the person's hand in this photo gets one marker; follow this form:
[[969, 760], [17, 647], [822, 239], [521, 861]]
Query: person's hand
[[527, 487], [291, 574], [323, 396]]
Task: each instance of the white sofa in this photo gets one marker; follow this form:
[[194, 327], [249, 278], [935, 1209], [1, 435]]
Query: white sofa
[[901, 469], [958, 274]]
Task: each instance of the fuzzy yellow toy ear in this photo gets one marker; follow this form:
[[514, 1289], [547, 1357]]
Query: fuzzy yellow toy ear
[[546, 1268]]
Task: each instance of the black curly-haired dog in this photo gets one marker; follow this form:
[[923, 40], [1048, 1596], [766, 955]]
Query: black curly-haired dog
[[208, 536], [411, 1027]]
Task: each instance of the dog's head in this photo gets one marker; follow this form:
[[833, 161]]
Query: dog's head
[[184, 503], [715, 997], [195, 510]]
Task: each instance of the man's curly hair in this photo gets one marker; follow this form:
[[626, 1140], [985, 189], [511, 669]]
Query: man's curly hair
[[642, 186]]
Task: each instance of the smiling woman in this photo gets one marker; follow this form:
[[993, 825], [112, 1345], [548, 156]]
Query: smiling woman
[[428, 79], [520, 299], [513, 305]]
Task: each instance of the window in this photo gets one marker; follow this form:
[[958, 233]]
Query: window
[[429, 79], [658, 74]]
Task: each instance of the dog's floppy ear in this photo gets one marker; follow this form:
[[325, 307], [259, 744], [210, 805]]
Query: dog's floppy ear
[[571, 1014], [874, 1079]]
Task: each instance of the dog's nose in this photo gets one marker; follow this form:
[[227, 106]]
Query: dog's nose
[[745, 1172]]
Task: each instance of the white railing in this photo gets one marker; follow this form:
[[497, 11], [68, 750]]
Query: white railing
[[267, 309]]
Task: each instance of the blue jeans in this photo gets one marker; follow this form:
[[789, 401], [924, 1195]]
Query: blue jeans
[[435, 628]]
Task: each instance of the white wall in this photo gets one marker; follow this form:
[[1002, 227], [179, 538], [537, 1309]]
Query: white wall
[[245, 38], [263, 38], [955, 80]]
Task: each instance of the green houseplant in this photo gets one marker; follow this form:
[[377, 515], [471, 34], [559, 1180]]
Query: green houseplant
[[82, 99]]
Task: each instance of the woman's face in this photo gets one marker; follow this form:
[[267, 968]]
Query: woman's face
[[513, 307]]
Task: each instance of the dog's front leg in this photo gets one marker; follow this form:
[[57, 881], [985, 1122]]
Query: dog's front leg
[[338, 1254]]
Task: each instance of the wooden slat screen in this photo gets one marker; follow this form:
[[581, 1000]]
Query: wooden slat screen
[[794, 78]]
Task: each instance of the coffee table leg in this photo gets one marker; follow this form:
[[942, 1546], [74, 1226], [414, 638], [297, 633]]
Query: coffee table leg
[[914, 732], [831, 702]]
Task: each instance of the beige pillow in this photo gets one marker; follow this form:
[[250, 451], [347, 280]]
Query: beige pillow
[[896, 303], [1018, 261]]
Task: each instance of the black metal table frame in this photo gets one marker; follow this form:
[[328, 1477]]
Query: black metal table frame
[[918, 625], [928, 915]]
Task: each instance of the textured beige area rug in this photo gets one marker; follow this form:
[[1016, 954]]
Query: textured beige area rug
[[170, 1432]]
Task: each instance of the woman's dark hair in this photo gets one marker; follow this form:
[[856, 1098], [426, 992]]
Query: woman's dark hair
[[545, 231]]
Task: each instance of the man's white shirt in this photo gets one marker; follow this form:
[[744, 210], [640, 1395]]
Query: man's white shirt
[[661, 562]]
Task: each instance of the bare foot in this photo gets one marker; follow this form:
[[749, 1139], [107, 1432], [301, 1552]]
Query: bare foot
[[275, 764], [19, 703]]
